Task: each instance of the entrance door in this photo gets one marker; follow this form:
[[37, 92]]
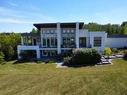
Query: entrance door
[[34, 42], [82, 42]]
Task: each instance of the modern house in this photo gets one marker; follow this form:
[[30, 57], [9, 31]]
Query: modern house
[[55, 38]]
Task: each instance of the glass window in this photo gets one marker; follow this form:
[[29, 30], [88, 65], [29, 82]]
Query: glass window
[[55, 31], [64, 31], [68, 31], [55, 42], [44, 42], [45, 53], [68, 42], [48, 42], [72, 40], [52, 42], [72, 31], [97, 41], [47, 31], [43, 31], [53, 53], [52, 31]]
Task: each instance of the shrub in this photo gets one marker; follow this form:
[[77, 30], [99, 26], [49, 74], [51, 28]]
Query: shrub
[[1, 57], [115, 50], [52, 61], [49, 61], [107, 52], [83, 57], [67, 61], [64, 54], [38, 62], [125, 56]]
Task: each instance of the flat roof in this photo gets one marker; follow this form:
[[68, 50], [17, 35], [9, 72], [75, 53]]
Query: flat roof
[[62, 25], [117, 36]]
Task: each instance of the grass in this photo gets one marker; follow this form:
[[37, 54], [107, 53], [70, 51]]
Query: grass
[[46, 79]]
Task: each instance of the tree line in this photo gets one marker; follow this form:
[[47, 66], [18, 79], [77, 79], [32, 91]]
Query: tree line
[[109, 28]]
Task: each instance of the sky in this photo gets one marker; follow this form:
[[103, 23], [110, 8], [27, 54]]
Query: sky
[[19, 15]]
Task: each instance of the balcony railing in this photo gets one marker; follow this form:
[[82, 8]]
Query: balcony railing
[[68, 46]]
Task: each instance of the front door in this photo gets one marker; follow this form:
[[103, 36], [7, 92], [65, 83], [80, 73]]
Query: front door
[[82, 42]]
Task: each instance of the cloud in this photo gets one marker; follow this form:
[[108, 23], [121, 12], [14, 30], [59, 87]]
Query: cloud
[[12, 4], [34, 8], [14, 21], [16, 16], [6, 12]]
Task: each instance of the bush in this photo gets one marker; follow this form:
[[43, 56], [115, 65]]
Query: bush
[[1, 57], [115, 50], [107, 51], [125, 56], [39, 62], [83, 57], [64, 54], [52, 61], [67, 61]]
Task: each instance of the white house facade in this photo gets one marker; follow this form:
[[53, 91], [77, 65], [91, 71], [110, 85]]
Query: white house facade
[[55, 38]]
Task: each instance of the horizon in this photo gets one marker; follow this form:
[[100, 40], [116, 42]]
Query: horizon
[[19, 16]]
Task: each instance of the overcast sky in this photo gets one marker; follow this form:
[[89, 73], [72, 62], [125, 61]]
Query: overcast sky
[[19, 15]]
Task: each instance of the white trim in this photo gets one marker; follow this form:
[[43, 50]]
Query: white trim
[[58, 38], [77, 35]]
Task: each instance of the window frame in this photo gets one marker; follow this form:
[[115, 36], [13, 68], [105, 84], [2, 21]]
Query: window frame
[[97, 41]]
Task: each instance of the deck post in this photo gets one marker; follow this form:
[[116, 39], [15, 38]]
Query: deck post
[[38, 53]]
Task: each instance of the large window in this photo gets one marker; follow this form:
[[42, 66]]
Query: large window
[[97, 41], [50, 42], [44, 42], [68, 38], [49, 53], [53, 42], [45, 53], [68, 42]]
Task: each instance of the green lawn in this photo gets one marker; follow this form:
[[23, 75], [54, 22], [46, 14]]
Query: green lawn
[[46, 79]]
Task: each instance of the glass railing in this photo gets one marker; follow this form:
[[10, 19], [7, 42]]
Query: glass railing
[[68, 46]]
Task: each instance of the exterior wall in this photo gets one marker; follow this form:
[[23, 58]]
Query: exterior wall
[[116, 42], [85, 33], [103, 36]]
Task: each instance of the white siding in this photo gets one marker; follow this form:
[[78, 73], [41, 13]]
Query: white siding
[[98, 34], [116, 42]]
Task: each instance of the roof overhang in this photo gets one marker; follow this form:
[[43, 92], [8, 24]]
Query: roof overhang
[[62, 25], [117, 36]]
